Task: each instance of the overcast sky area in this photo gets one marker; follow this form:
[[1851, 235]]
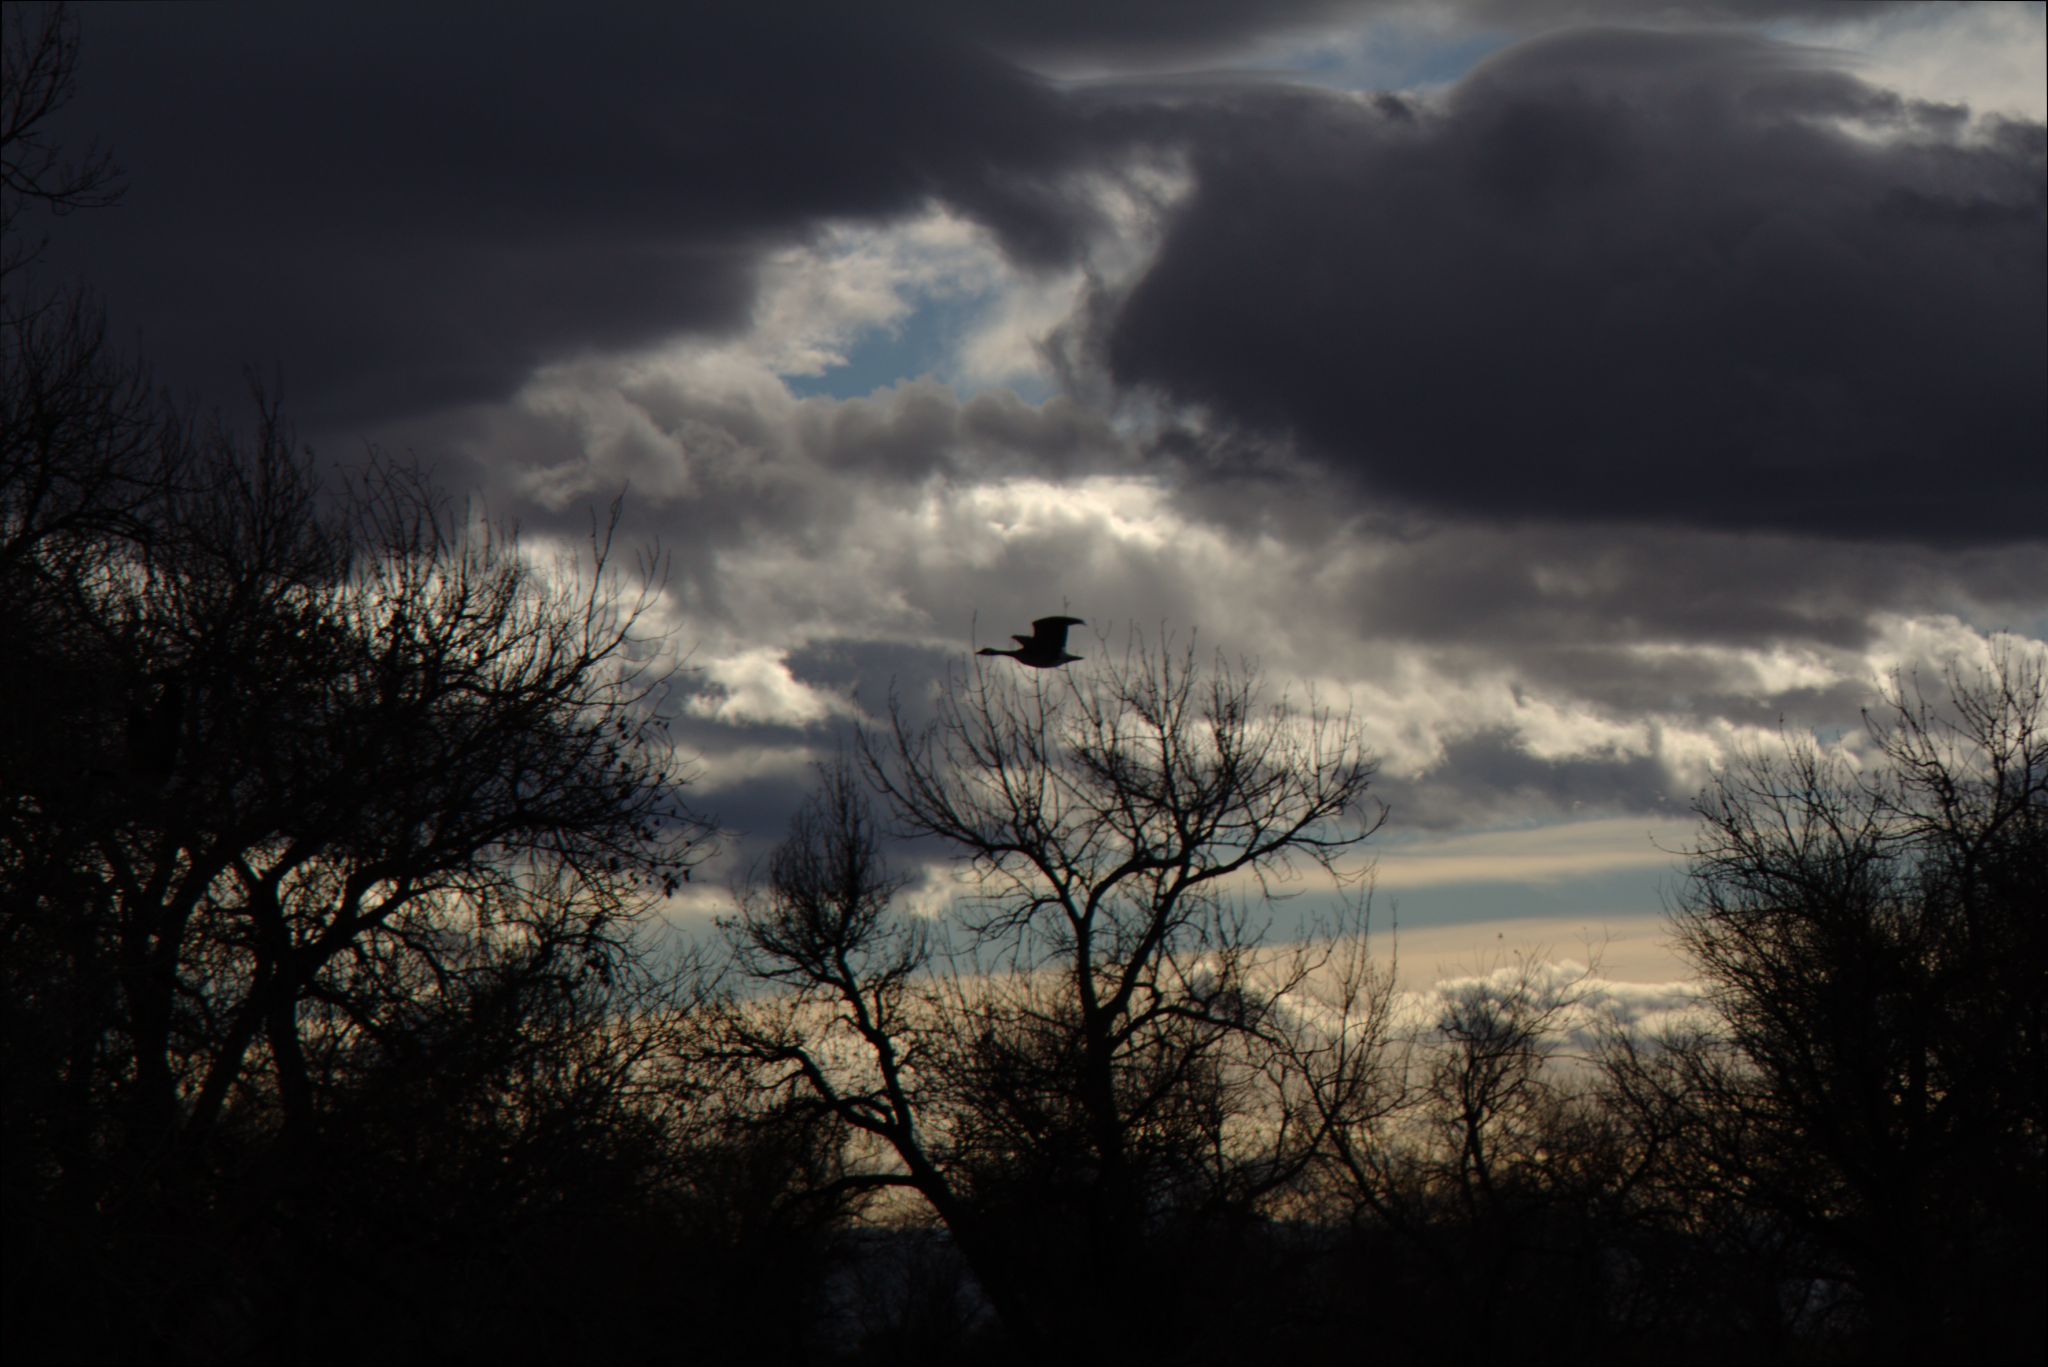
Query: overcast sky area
[[1575, 390]]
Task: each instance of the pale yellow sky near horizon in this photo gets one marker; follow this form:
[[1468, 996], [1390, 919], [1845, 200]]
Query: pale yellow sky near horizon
[[1627, 948], [1539, 854]]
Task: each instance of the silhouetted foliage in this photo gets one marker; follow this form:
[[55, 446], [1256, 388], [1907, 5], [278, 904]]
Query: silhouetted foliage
[[1069, 1070], [327, 808], [333, 1027], [38, 77], [328, 825], [1865, 1118]]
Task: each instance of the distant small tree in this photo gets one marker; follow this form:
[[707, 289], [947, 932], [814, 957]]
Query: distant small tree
[[1872, 938], [1070, 1066], [1471, 1162]]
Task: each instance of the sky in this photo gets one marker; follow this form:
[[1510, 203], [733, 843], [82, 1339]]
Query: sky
[[1578, 391]]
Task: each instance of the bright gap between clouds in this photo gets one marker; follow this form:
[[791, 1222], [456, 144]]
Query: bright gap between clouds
[[913, 565], [1546, 854], [755, 687], [862, 306]]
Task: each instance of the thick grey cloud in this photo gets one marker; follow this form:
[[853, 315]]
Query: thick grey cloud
[[411, 207], [1151, 31], [564, 253], [1693, 279], [1490, 779], [1542, 591], [1630, 260], [1131, 29]]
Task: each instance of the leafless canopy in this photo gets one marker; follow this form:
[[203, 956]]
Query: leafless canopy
[[1869, 927], [38, 76], [1078, 1048]]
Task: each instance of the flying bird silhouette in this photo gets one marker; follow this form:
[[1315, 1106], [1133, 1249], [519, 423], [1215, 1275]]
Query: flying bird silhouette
[[1045, 647]]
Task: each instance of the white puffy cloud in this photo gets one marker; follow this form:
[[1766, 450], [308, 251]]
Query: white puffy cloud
[[756, 687], [1992, 57]]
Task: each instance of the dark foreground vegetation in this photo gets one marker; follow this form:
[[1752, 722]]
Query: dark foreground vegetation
[[338, 1026]]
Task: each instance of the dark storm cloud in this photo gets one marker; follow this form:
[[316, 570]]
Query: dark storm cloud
[[750, 805], [1622, 275], [1490, 778], [1139, 30], [406, 208], [1531, 587], [1149, 31]]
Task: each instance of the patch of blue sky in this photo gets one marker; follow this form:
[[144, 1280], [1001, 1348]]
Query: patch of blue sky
[[1619, 896], [1620, 893], [917, 344], [1393, 57], [924, 342]]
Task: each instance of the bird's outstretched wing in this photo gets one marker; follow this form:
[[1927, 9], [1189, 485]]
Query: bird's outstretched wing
[[1052, 631]]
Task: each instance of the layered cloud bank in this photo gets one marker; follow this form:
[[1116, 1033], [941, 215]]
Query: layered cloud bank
[[1578, 391]]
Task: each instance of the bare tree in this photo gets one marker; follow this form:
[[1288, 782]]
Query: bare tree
[[1075, 1057], [316, 783], [1872, 939], [1492, 1096], [1473, 1165], [85, 445], [329, 823], [38, 77]]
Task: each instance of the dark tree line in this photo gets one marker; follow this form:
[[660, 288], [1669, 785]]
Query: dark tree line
[[1142, 1126], [1871, 1097], [338, 1023], [330, 828]]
